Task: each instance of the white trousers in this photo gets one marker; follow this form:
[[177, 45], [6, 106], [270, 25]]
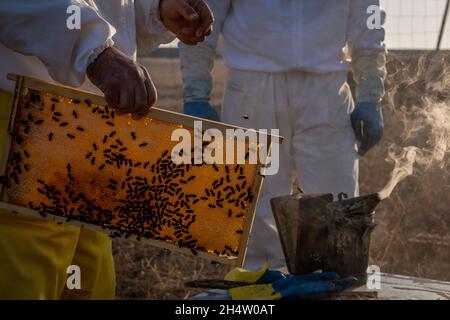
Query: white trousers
[[312, 112]]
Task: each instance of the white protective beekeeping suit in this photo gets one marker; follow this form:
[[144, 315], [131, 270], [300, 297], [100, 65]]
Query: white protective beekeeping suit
[[287, 67], [50, 51]]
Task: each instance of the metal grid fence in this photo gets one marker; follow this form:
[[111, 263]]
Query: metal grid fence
[[416, 24]]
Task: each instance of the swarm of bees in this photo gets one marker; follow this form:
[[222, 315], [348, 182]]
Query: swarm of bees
[[78, 160]]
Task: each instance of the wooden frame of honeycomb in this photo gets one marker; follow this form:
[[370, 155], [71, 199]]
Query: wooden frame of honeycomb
[[69, 158]]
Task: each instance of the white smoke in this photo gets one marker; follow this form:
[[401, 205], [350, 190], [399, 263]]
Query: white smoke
[[425, 137]]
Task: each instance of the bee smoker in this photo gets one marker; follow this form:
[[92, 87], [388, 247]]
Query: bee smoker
[[319, 233], [350, 225]]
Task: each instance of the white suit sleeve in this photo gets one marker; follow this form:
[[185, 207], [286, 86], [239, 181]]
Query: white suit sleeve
[[367, 49], [150, 32], [40, 29], [197, 61]]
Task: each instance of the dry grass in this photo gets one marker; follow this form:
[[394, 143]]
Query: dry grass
[[144, 272], [412, 236]]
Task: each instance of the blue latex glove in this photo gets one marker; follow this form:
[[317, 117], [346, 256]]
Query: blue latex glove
[[312, 285], [307, 286], [367, 123], [201, 109], [271, 276]]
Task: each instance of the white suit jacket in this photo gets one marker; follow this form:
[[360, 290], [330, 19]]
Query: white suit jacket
[[35, 40]]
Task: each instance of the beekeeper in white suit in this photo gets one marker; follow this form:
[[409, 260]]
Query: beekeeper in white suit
[[36, 254], [287, 68]]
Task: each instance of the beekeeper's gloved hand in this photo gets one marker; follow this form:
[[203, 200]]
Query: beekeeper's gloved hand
[[196, 93], [201, 109], [196, 66], [367, 118], [367, 123], [127, 86]]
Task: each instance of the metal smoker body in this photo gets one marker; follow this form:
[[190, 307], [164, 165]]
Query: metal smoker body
[[319, 233]]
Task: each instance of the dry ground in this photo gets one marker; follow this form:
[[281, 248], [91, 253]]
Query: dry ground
[[412, 236]]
